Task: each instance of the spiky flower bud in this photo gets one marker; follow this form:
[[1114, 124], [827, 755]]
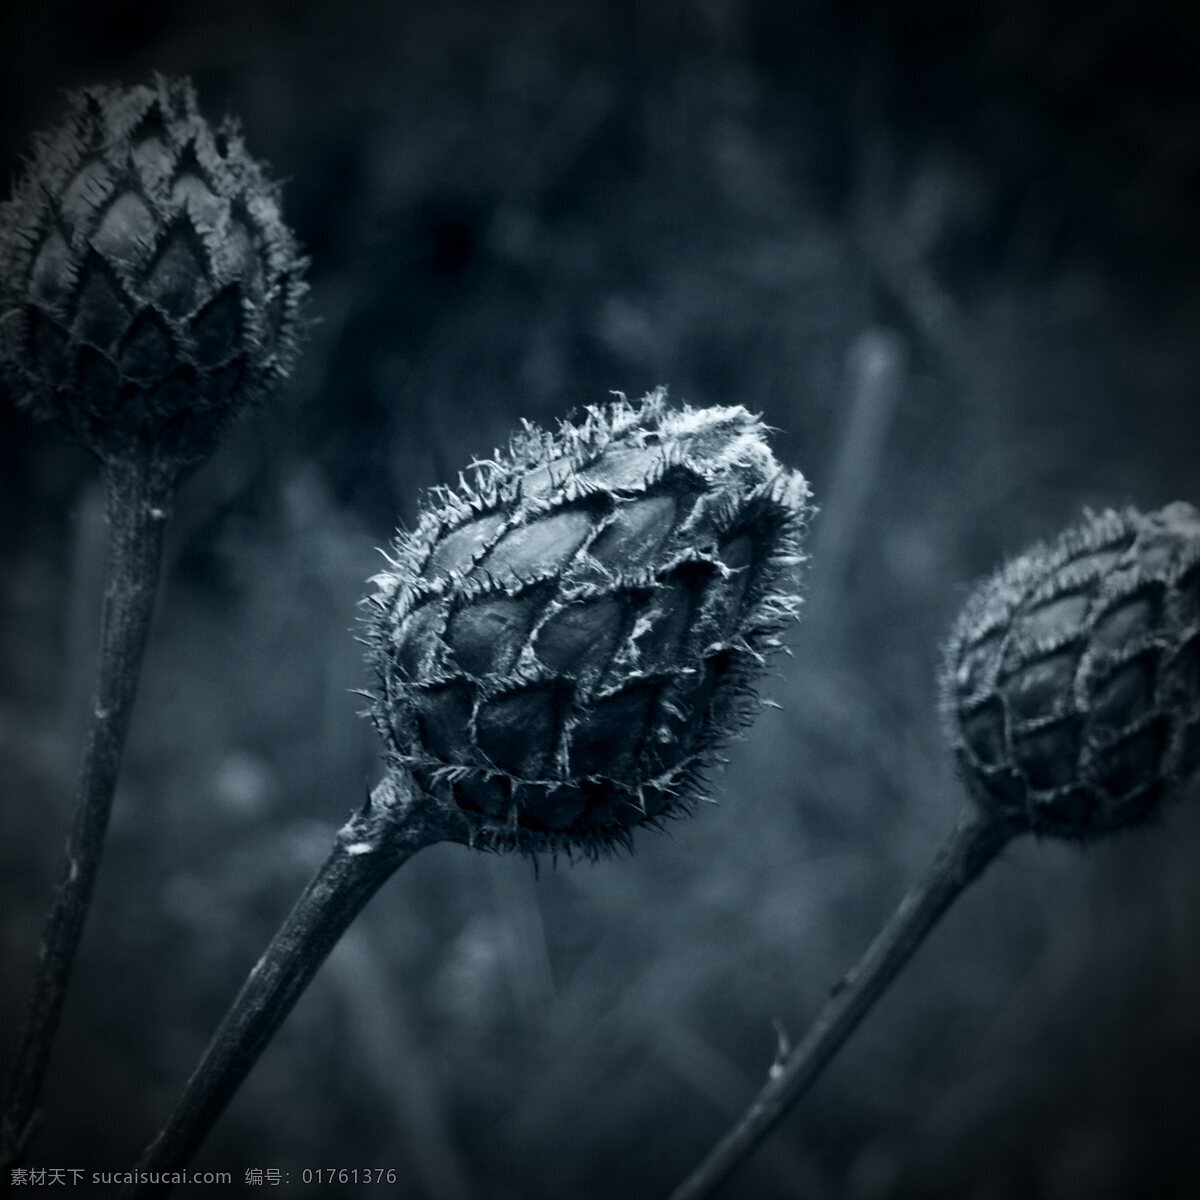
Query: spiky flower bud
[[1071, 682], [150, 287], [562, 643]]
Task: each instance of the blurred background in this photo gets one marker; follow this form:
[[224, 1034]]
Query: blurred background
[[951, 253]]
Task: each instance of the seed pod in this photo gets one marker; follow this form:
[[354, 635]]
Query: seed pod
[[1071, 682], [561, 644], [150, 287]]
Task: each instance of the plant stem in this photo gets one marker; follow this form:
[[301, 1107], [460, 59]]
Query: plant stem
[[139, 493], [392, 827], [974, 844]]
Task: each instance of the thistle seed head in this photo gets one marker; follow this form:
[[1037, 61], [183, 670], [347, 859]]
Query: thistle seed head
[[150, 289], [562, 643], [1071, 682]]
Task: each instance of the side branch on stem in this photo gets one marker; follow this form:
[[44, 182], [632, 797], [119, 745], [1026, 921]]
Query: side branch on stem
[[138, 501], [392, 827], [974, 844]]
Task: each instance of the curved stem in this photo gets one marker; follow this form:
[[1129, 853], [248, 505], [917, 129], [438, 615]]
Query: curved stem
[[138, 499], [974, 844], [369, 847]]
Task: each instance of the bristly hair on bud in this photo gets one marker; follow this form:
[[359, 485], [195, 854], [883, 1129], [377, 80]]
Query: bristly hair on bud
[[563, 642], [1071, 681], [150, 287]]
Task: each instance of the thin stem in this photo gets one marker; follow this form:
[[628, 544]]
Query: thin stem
[[370, 846], [975, 842], [138, 499]]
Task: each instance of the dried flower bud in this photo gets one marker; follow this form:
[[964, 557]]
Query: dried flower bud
[[561, 644], [150, 287], [1071, 683]]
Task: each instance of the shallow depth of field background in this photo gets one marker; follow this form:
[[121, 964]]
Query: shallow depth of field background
[[950, 252]]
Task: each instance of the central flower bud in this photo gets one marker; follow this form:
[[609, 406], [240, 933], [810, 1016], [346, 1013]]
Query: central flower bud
[[562, 644]]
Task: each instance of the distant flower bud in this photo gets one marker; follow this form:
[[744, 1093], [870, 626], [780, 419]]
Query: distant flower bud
[[150, 287], [562, 644], [1071, 684]]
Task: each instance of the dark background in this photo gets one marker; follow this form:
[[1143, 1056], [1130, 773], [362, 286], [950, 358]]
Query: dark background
[[950, 251]]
